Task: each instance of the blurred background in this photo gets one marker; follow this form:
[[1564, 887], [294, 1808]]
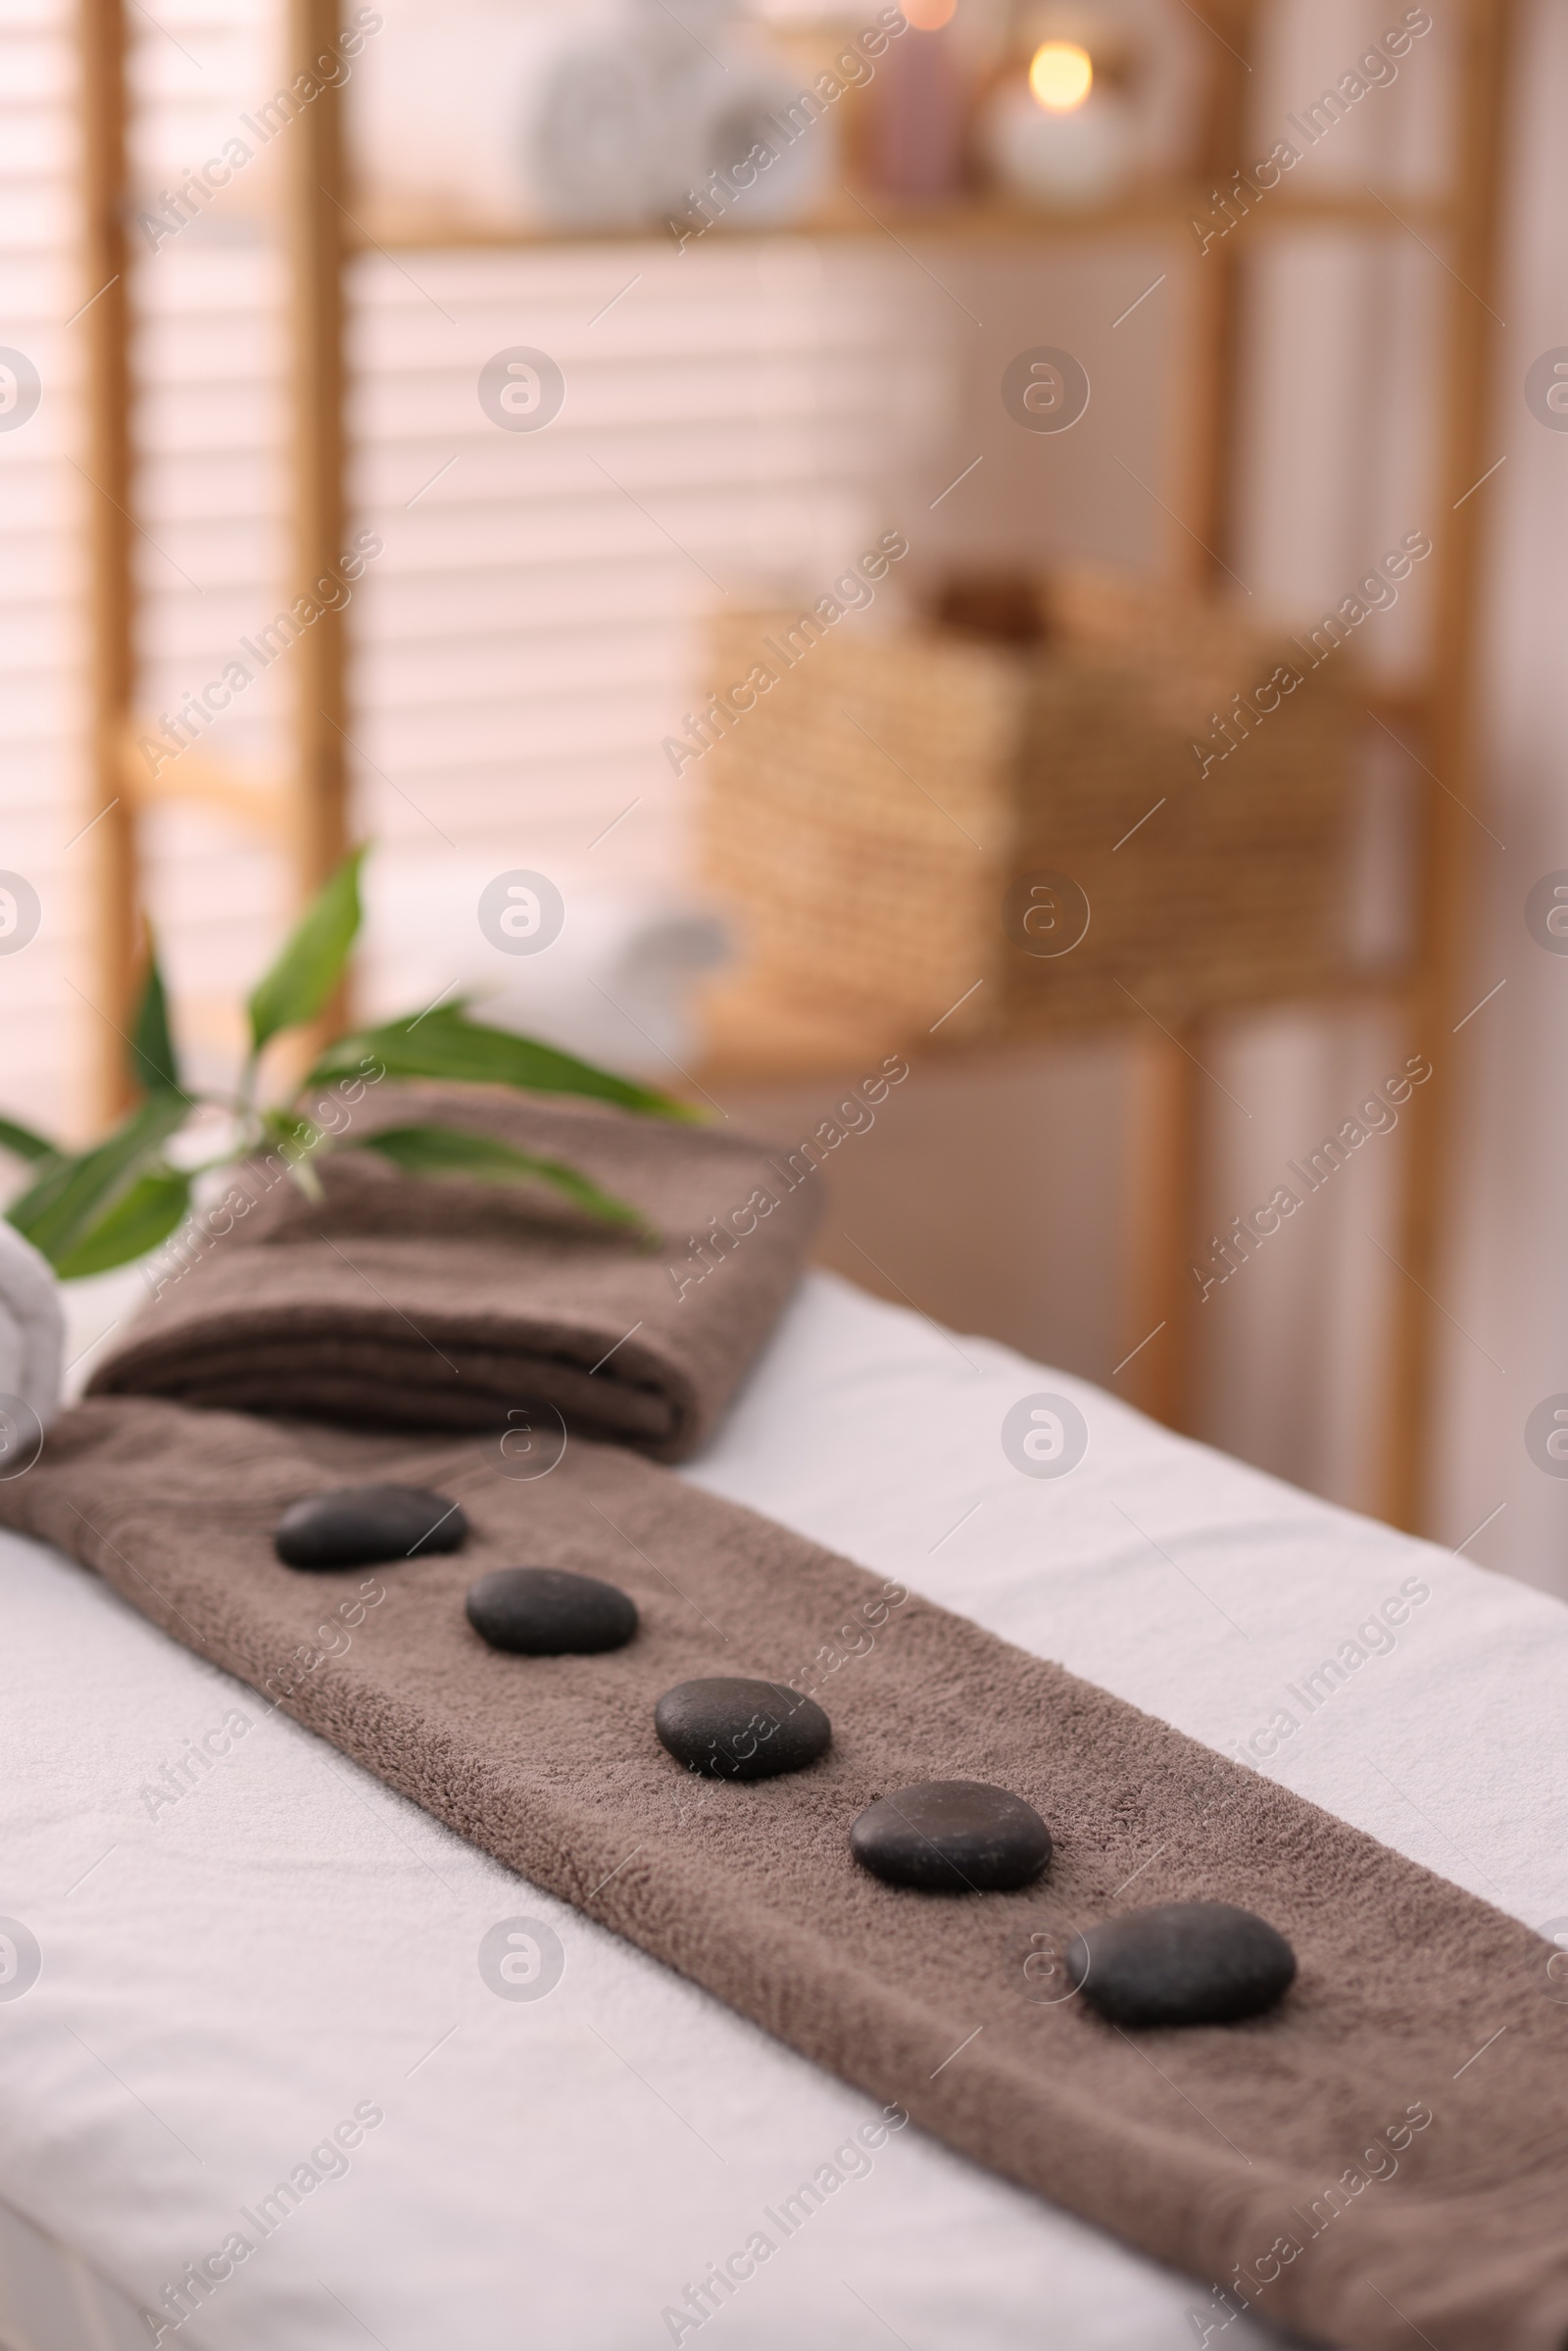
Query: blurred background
[[1027, 539]]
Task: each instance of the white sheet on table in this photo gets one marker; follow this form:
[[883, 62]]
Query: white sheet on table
[[223, 1984]]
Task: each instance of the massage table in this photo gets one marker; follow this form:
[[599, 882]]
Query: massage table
[[248, 1947]]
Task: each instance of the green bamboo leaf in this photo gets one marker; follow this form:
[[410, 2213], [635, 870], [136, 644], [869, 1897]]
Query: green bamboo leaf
[[71, 1194], [48, 1183], [24, 1143], [138, 1220], [153, 1062], [312, 960], [294, 1139], [437, 1151], [447, 1044]]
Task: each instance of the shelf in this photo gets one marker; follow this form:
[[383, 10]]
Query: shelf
[[201, 776], [751, 1041], [389, 224]]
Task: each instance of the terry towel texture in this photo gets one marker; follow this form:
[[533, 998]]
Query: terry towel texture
[[1382, 2161], [398, 1303]]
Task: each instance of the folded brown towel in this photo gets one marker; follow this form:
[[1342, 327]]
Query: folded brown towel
[[1381, 2162], [405, 1303]]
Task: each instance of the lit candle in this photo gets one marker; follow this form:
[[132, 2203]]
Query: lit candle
[[1057, 137]]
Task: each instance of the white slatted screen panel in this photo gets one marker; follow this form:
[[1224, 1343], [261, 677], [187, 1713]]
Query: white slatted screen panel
[[212, 490], [739, 422], [41, 786], [532, 631]]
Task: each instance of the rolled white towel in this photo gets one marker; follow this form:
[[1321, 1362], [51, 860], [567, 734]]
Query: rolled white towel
[[627, 131], [608, 115], [436, 99], [604, 968], [32, 1337], [595, 130]]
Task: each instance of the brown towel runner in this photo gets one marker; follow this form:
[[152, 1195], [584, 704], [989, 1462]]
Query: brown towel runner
[[452, 1304], [1381, 2162]]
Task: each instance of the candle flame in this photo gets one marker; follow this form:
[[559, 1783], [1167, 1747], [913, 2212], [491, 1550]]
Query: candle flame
[[1060, 75]]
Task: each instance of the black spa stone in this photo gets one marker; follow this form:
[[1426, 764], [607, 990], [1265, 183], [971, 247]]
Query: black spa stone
[[1181, 1963], [550, 1612], [731, 1728], [365, 1526], [953, 1837]]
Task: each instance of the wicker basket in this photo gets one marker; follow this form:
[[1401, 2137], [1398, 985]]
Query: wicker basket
[[876, 819], [859, 822]]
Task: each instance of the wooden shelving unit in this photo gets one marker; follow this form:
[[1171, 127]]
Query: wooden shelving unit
[[306, 809], [385, 223]]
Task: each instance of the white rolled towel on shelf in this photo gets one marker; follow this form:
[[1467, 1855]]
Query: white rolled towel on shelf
[[611, 115], [438, 96], [32, 1344], [599, 967], [629, 133]]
